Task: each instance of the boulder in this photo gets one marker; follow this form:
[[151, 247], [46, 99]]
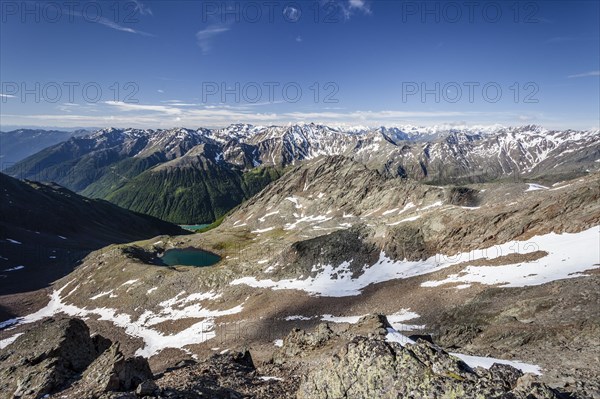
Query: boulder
[[146, 388], [111, 371], [46, 358]]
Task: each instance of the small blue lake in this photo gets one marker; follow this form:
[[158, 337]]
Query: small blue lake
[[189, 257], [193, 227]]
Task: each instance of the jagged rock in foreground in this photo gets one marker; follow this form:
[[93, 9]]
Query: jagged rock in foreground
[[45, 358], [53, 355], [59, 358], [112, 372], [371, 368], [363, 363]]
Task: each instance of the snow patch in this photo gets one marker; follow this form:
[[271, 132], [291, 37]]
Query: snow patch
[[100, 295], [535, 187], [7, 341], [341, 319], [154, 340], [262, 219], [258, 231], [410, 219], [569, 255], [297, 317], [12, 269], [472, 361], [294, 200], [267, 378], [487, 362]]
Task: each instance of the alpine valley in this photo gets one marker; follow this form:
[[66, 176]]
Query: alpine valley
[[352, 262], [195, 176]]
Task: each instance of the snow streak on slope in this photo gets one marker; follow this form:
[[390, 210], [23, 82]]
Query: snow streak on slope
[[568, 256], [155, 341]]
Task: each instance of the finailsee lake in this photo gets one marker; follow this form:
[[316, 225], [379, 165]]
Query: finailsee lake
[[193, 227], [189, 257]]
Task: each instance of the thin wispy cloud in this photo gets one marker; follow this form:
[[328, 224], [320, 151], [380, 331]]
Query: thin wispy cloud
[[107, 22], [206, 36], [584, 75], [142, 8], [123, 106], [260, 104], [68, 107], [113, 25]]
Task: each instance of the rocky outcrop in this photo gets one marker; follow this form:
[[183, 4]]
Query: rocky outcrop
[[45, 359], [557, 323], [371, 367], [112, 372], [462, 196], [361, 361], [58, 354]]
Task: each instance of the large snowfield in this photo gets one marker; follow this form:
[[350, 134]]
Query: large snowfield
[[568, 256]]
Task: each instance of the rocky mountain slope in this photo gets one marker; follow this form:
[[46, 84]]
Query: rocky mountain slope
[[505, 270], [369, 360], [183, 175], [17, 145], [45, 230]]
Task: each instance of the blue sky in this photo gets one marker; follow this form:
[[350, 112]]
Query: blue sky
[[354, 62]]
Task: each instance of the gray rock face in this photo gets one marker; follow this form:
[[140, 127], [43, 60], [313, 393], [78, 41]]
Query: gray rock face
[[112, 372], [374, 368], [60, 353], [298, 342], [358, 362], [46, 358]]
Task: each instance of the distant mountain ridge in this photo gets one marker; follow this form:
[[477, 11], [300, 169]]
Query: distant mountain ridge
[[195, 176], [17, 145]]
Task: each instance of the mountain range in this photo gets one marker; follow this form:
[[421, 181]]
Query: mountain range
[[18, 144], [196, 176]]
